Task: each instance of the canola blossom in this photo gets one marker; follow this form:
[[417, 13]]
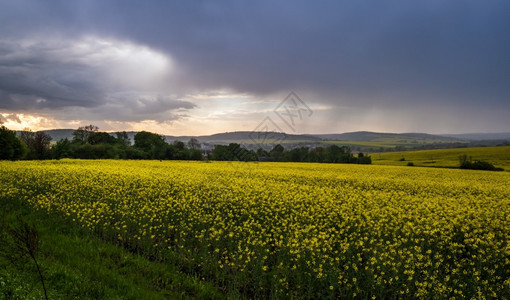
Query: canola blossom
[[298, 230]]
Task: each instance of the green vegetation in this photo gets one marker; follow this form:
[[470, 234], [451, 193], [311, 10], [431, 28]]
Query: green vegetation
[[11, 147], [76, 264], [371, 141], [389, 143], [329, 154], [467, 163], [257, 230], [449, 158], [89, 143]]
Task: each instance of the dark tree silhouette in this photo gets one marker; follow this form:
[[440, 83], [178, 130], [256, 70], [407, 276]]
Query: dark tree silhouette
[[11, 147], [81, 134]]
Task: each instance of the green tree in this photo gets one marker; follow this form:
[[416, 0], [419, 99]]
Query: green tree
[[62, 149], [193, 144], [195, 154], [153, 145], [180, 150], [297, 155], [41, 145], [277, 152], [366, 159], [221, 152], [262, 153], [317, 154], [123, 138], [100, 151], [335, 154], [81, 134], [11, 147], [27, 136], [96, 138], [240, 153], [38, 144]]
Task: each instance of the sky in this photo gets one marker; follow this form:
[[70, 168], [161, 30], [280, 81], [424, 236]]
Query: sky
[[204, 67]]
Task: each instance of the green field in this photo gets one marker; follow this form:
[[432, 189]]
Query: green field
[[79, 265], [367, 144], [448, 158], [367, 141], [391, 142]]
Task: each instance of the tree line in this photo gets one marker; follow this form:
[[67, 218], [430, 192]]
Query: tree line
[[90, 143]]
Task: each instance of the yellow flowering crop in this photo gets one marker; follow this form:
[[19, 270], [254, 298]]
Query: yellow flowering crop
[[291, 229]]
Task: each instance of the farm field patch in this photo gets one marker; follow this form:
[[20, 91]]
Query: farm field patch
[[299, 230], [498, 156]]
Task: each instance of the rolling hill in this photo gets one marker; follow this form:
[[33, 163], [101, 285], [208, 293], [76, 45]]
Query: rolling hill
[[247, 136], [364, 141]]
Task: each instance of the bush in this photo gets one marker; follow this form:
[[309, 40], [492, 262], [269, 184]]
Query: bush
[[479, 165], [410, 164], [364, 160]]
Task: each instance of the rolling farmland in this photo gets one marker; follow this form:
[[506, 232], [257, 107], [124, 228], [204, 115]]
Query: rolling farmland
[[449, 158], [288, 229]]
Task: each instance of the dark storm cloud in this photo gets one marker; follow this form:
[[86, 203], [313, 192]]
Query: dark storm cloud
[[451, 50], [36, 77], [452, 53], [135, 107]]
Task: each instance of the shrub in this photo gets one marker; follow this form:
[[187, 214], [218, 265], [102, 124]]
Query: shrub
[[479, 165], [364, 160]]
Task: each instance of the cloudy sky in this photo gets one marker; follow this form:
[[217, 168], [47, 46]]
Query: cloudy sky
[[202, 67]]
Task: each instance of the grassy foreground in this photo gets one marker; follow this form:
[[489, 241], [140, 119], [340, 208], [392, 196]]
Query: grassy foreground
[[498, 156], [78, 265], [259, 230]]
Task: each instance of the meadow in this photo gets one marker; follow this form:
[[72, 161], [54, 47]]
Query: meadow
[[278, 230], [449, 158]]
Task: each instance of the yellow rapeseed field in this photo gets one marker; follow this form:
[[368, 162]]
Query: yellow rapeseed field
[[297, 230]]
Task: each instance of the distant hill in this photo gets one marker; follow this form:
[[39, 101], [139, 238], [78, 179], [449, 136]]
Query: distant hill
[[361, 140], [368, 136], [220, 138], [58, 134], [480, 136], [247, 137]]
